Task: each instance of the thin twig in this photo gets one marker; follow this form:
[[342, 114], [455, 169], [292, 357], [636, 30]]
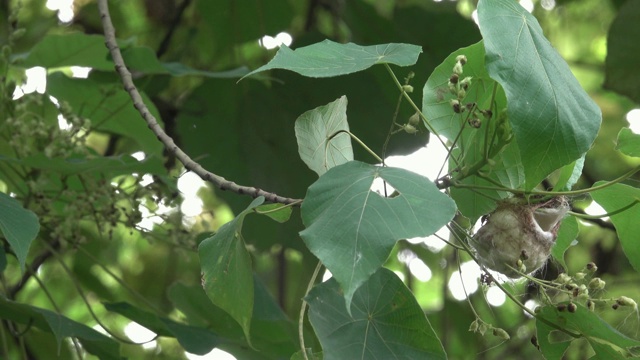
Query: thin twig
[[32, 269], [152, 123], [164, 44]]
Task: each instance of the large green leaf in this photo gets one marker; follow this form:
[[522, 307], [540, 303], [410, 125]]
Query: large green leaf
[[553, 119], [587, 324], [18, 225], [622, 74], [272, 333], [75, 49], [195, 340], [226, 270], [327, 58], [385, 321], [352, 229], [628, 143], [108, 107], [62, 327], [319, 146], [470, 148], [614, 198]]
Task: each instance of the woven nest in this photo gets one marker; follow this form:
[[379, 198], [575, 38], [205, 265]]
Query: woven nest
[[518, 237]]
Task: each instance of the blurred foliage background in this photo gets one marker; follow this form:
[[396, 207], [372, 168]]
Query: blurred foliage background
[[244, 132]]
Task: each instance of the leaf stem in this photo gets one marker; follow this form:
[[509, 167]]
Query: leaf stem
[[456, 183], [312, 281], [277, 209], [414, 106], [358, 141], [591, 217]]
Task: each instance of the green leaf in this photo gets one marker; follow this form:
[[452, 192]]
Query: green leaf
[[318, 145], [108, 107], [550, 348], [628, 142], [470, 141], [616, 197], [553, 119], [272, 333], [352, 229], [193, 339], [386, 321], [310, 355], [75, 49], [143, 59], [18, 225], [587, 324], [115, 165], [567, 233], [226, 270], [278, 212], [62, 327], [622, 74], [569, 175], [327, 58]]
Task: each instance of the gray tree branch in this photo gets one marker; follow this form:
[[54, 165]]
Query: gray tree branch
[[152, 123]]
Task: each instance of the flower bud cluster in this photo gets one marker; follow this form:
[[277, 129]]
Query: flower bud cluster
[[458, 86]]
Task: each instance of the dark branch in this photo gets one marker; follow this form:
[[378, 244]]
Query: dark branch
[[164, 44], [32, 269]]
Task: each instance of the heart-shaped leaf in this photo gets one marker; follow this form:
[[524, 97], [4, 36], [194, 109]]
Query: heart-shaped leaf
[[616, 197], [18, 225], [227, 276], [319, 146], [553, 119], [386, 321], [352, 229], [328, 58]]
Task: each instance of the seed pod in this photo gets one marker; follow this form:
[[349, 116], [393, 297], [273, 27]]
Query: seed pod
[[461, 59], [474, 326], [407, 88], [455, 104], [414, 119], [596, 283], [457, 68], [592, 267], [500, 333], [572, 307], [409, 129], [482, 328], [561, 307], [475, 122], [615, 306], [625, 301], [591, 305], [454, 78]]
